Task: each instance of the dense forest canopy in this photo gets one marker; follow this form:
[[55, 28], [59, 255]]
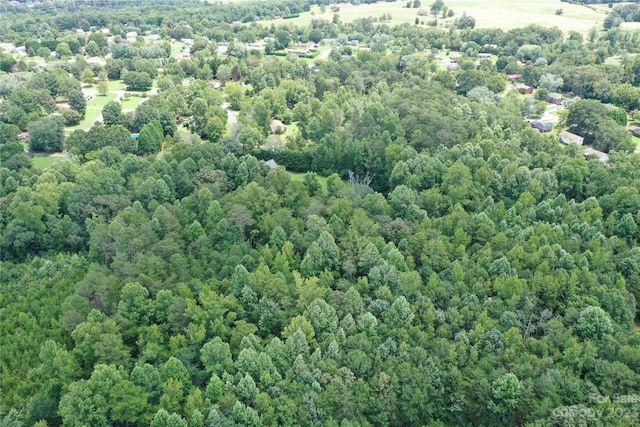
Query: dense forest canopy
[[418, 254]]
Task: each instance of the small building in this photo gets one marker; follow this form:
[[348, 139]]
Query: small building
[[277, 127], [512, 77], [455, 57], [541, 126], [588, 152], [555, 99], [484, 55], [271, 163], [635, 130], [524, 89], [453, 66], [570, 138]]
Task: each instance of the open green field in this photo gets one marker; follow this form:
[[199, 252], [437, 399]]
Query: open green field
[[299, 176], [43, 162], [504, 14]]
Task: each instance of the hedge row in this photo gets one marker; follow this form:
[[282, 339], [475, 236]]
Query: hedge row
[[297, 161]]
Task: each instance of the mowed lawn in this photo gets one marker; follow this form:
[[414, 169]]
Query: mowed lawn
[[99, 101], [43, 162], [505, 14], [91, 115], [131, 102]]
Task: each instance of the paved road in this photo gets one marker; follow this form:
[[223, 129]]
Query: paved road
[[231, 116]]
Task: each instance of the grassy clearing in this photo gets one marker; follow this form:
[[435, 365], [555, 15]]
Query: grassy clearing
[[292, 131], [131, 102], [504, 14], [116, 85], [42, 162], [617, 59], [299, 176], [89, 119], [99, 101]]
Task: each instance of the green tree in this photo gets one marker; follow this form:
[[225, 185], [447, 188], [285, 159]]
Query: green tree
[[137, 80], [46, 134], [88, 77], [585, 117], [112, 113], [506, 393], [77, 101], [151, 137], [63, 50], [593, 323], [626, 96]]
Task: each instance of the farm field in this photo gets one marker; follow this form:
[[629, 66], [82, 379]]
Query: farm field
[[503, 14]]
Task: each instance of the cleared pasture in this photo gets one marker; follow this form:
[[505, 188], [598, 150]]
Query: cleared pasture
[[504, 14]]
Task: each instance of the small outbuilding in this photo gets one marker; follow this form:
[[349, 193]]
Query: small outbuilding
[[277, 127], [635, 130], [271, 163]]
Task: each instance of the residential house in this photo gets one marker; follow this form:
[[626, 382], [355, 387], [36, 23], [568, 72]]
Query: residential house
[[524, 89], [555, 99], [588, 152], [635, 130], [570, 138], [484, 55], [512, 77], [541, 126]]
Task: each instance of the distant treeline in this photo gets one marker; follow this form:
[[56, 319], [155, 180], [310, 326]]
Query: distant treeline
[[593, 1]]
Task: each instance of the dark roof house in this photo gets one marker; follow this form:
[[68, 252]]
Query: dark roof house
[[542, 126]]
